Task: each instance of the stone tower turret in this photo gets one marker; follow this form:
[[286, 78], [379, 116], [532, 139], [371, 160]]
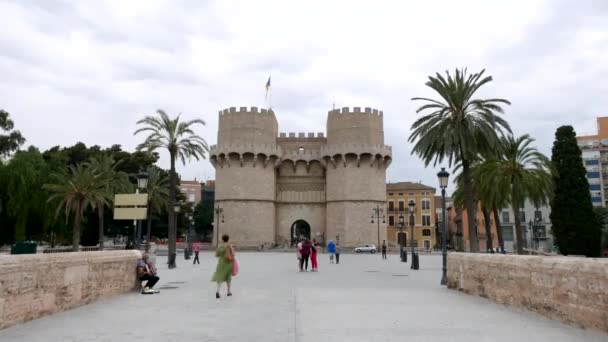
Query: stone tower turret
[[356, 160], [244, 159]]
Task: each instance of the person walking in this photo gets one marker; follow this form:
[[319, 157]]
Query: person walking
[[223, 270], [338, 249], [331, 249], [306, 249], [313, 255], [196, 248], [384, 249]]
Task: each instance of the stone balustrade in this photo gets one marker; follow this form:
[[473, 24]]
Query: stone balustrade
[[35, 285], [570, 289]]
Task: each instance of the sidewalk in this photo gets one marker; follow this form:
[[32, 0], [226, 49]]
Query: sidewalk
[[362, 299]]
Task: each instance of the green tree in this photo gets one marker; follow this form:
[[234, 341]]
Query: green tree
[[574, 224], [602, 216], [158, 197], [111, 182], [13, 139], [76, 191], [523, 173], [458, 128], [178, 138], [203, 218]]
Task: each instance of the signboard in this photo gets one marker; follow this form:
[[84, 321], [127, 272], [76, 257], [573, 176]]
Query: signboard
[[130, 206]]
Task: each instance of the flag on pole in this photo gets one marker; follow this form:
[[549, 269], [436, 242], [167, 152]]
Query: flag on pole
[[267, 86]]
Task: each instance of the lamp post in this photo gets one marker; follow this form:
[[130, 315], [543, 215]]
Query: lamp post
[[142, 184], [376, 212], [176, 210], [188, 249], [443, 176], [219, 211], [402, 254], [415, 262]]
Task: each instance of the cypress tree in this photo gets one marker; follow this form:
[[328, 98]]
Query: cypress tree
[[574, 224]]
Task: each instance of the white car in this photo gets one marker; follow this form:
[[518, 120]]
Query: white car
[[366, 249]]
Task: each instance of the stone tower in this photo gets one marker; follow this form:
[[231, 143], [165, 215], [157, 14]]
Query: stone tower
[[276, 187]]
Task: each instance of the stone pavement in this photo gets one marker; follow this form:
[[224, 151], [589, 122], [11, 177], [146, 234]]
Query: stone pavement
[[362, 299]]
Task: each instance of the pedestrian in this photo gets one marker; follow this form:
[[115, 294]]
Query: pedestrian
[[338, 249], [313, 255], [305, 251], [299, 253], [384, 249], [196, 248], [223, 270], [331, 249]]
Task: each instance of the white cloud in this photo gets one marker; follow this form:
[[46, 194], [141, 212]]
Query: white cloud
[[87, 71]]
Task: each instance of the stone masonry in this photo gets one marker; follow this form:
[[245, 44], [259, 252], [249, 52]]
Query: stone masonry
[[570, 289], [266, 181], [32, 286]]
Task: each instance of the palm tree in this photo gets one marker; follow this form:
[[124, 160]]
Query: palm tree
[[112, 181], [179, 139], [458, 128], [77, 190], [158, 197], [523, 173]]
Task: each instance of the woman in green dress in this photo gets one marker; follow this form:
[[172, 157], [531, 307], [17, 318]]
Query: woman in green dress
[[223, 271]]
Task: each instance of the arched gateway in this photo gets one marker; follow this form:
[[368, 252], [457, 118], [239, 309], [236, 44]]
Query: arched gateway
[[267, 181], [299, 229]]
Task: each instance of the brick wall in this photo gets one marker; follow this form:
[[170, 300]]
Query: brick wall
[[573, 290], [32, 286]]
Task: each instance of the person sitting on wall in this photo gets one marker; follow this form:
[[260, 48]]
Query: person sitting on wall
[[146, 271]]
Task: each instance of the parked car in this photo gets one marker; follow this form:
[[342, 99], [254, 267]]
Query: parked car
[[366, 249]]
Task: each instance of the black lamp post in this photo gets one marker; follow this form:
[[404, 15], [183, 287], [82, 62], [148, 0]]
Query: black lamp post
[[443, 176], [176, 210], [219, 214], [415, 262], [402, 254], [377, 212], [142, 184]]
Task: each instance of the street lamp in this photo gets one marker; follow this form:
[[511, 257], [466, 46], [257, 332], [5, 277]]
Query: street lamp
[[188, 249], [415, 262], [176, 209], [376, 212], [219, 211], [402, 254], [142, 184], [443, 176]]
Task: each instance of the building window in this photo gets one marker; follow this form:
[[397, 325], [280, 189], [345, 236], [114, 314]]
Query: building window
[[391, 206], [538, 215], [426, 220], [505, 217], [401, 194], [391, 220], [191, 198], [401, 206], [391, 193], [411, 193], [426, 232], [426, 204]]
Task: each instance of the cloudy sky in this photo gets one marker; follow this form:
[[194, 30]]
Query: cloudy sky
[[88, 70]]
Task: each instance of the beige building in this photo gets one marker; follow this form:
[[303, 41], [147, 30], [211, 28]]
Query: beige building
[[398, 195], [274, 187], [192, 190]]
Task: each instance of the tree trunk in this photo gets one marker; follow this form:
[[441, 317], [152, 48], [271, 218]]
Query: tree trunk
[[149, 229], [488, 226], [172, 223], [501, 242], [76, 230], [101, 236], [518, 231], [470, 206]]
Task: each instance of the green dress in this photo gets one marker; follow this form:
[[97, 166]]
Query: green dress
[[223, 271]]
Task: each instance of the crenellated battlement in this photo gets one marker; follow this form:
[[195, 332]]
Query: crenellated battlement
[[251, 110], [356, 110]]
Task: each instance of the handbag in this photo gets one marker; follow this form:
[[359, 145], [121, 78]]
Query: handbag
[[235, 267]]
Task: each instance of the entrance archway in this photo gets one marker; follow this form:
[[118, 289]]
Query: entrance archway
[[299, 229]]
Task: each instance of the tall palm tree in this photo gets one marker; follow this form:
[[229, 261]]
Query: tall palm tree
[[77, 190], [158, 197], [179, 139], [523, 173], [112, 181], [458, 128]]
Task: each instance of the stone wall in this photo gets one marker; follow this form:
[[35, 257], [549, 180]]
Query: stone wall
[[573, 290], [32, 286]]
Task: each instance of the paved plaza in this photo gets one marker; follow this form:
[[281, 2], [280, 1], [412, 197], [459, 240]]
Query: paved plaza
[[362, 299]]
